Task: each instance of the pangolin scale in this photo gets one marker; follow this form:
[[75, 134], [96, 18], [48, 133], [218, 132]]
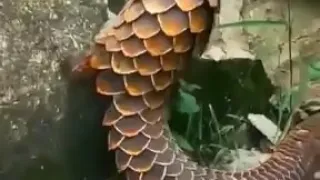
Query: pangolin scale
[[138, 58]]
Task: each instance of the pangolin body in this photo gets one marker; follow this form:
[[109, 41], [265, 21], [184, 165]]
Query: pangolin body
[[138, 57]]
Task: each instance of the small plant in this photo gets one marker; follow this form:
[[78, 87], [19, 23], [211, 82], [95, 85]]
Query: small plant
[[207, 138], [217, 139]]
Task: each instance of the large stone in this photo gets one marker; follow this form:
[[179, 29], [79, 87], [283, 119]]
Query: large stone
[[50, 127]]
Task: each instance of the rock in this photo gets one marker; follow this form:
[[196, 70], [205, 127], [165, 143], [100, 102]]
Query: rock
[[50, 126]]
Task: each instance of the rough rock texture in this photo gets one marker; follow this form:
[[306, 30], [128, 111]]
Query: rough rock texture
[[265, 40], [49, 127]]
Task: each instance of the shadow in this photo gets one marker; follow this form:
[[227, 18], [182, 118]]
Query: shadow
[[232, 86], [235, 86], [71, 148], [116, 5], [84, 139]]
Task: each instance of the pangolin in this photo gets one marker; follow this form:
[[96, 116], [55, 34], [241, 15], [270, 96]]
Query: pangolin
[[138, 57]]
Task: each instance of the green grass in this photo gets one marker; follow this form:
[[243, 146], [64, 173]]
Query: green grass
[[221, 136]]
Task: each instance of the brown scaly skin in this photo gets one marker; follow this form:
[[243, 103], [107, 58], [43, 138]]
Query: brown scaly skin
[[137, 58]]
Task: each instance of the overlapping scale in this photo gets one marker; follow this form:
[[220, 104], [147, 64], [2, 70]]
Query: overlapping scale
[[146, 26], [137, 85], [295, 141], [158, 145], [152, 116], [188, 5], [290, 148], [199, 178], [132, 47], [122, 159], [146, 64], [162, 80], [175, 169], [200, 171], [191, 165], [173, 22], [109, 83], [143, 162], [111, 116], [154, 131], [130, 126], [182, 157], [168, 135], [158, 45], [186, 175], [198, 20], [112, 44], [166, 158], [114, 139], [135, 145], [126, 6], [270, 168], [262, 174], [283, 166], [133, 12], [182, 42], [128, 105], [118, 20], [100, 38], [156, 172], [155, 99], [138, 55], [301, 134], [121, 64], [170, 61], [155, 7], [266, 173], [123, 32], [213, 174], [132, 175], [100, 58]]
